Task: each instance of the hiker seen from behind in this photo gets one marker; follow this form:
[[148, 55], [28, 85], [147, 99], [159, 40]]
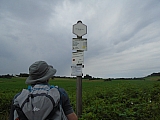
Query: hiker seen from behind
[[41, 101]]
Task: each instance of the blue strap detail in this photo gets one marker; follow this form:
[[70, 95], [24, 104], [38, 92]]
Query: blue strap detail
[[52, 86], [29, 88]]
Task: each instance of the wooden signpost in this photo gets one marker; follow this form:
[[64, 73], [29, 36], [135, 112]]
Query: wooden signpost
[[80, 45]]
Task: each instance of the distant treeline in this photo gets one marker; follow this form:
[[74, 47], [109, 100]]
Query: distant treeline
[[110, 79], [87, 76], [154, 74], [26, 75], [6, 76]]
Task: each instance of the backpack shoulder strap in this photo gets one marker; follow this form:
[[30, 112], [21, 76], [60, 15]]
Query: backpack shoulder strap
[[17, 109], [59, 107]]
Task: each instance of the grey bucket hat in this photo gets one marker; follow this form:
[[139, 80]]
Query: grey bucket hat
[[40, 72]]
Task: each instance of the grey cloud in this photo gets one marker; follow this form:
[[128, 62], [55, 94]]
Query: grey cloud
[[123, 36]]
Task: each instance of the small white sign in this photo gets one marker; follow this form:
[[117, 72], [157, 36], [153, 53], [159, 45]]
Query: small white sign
[[76, 70], [79, 29], [77, 58], [79, 44]]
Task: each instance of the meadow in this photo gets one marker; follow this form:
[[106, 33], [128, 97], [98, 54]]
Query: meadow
[[110, 100]]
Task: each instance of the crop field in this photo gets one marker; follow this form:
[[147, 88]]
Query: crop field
[[102, 100]]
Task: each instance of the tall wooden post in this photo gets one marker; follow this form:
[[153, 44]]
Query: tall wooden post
[[80, 45], [79, 96]]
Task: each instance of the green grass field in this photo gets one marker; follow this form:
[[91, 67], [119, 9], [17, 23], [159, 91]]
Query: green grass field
[[111, 100]]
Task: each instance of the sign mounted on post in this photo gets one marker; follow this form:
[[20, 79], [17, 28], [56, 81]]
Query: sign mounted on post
[[79, 44], [79, 29], [77, 58], [76, 70]]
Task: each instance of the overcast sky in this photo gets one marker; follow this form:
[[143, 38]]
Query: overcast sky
[[123, 36]]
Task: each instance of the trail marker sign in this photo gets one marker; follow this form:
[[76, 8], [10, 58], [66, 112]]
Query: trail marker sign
[[77, 58], [76, 70], [79, 44], [79, 29]]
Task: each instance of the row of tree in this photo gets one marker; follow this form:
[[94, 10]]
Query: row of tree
[[154, 74], [26, 75], [87, 76], [6, 76]]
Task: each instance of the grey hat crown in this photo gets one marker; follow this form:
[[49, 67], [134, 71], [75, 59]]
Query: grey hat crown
[[39, 72], [38, 69]]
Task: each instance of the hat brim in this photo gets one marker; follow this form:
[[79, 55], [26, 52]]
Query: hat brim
[[48, 75]]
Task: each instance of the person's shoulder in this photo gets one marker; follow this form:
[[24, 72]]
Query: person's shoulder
[[17, 95], [62, 92], [61, 89]]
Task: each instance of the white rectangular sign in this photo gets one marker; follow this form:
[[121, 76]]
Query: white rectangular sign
[[79, 44], [77, 58], [76, 70]]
